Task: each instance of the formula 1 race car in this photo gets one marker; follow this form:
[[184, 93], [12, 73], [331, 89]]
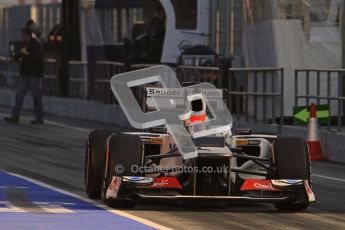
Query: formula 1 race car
[[124, 168]]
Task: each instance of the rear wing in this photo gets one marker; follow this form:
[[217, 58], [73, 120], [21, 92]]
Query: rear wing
[[177, 96]]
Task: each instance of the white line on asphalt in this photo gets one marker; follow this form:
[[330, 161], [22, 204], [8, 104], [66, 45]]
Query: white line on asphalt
[[66, 126], [114, 211], [55, 124], [17, 187], [328, 177]]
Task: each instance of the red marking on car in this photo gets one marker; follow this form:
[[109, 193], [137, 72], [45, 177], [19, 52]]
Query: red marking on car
[[165, 182], [196, 118], [114, 186], [310, 193], [257, 184]]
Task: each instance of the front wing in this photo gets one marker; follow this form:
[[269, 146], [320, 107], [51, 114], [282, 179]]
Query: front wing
[[169, 188]]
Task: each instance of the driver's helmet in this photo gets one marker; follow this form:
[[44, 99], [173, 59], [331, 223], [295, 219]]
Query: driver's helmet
[[196, 107]]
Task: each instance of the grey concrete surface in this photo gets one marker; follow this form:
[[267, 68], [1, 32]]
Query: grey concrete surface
[[54, 153]]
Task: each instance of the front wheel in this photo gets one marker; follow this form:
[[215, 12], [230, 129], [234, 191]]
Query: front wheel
[[124, 157], [94, 162], [291, 161]]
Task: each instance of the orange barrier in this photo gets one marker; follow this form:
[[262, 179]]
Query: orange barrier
[[314, 144]]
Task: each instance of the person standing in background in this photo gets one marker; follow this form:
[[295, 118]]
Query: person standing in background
[[31, 58]]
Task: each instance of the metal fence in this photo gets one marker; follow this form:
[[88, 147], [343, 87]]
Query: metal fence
[[3, 71], [252, 95], [49, 81], [78, 82], [100, 75], [256, 94], [199, 74], [89, 82], [322, 86], [8, 73]]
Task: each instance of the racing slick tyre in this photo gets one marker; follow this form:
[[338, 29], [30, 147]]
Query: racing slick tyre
[[291, 161], [123, 152], [95, 162]]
